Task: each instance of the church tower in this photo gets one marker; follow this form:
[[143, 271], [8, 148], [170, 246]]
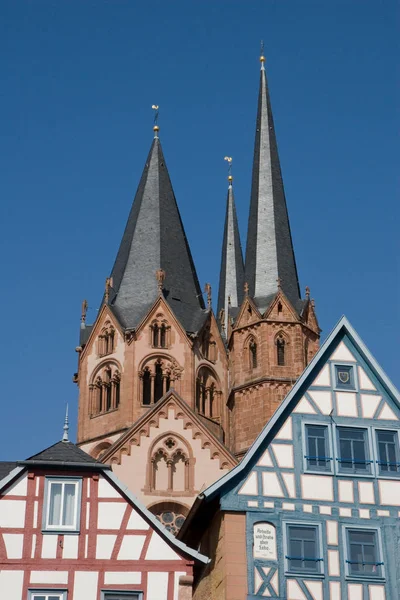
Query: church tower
[[273, 333]]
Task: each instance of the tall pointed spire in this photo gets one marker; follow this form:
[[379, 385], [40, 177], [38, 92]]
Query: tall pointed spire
[[154, 239], [269, 250], [65, 437], [231, 278]]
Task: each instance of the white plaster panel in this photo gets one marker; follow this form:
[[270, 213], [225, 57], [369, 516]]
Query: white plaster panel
[[122, 577], [86, 545], [307, 508], [136, 521], [33, 545], [323, 378], [315, 487], [12, 513], [131, 547], [288, 478], [304, 407], [345, 512], [343, 353], [85, 586], [265, 460], [383, 513], [285, 432], [19, 487], [334, 588], [315, 589], [294, 590], [332, 533], [252, 503], [70, 546], [284, 455], [346, 404], [49, 577], [87, 514], [49, 546], [271, 485], [325, 510], [288, 506], [364, 513], [365, 382], [14, 543], [250, 486], [387, 413], [35, 514], [269, 504], [377, 592], [369, 404], [275, 581], [177, 575], [354, 591], [323, 400], [389, 492], [12, 581], [257, 580], [105, 545], [346, 490], [159, 549], [106, 490], [157, 586], [110, 514], [366, 492], [37, 486], [333, 563]]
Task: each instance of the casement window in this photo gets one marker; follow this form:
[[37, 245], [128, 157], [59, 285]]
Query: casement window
[[364, 555], [61, 510], [47, 595], [353, 450], [121, 595], [344, 377], [388, 451], [318, 455], [303, 549]]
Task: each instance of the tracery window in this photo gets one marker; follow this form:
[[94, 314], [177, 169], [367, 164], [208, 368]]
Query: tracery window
[[160, 332], [106, 340], [156, 379], [171, 514], [209, 346], [253, 354], [104, 391], [280, 351], [171, 466], [207, 393]]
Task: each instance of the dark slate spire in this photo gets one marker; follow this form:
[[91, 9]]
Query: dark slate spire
[[154, 239], [231, 279], [269, 250]]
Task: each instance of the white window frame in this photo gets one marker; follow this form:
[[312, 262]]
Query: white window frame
[[32, 594], [330, 448], [343, 363], [363, 576], [75, 527], [314, 525], [121, 595], [370, 449], [375, 429]]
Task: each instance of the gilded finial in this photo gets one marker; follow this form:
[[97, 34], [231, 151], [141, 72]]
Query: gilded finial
[[84, 311], [160, 276], [229, 161], [156, 128], [207, 289], [109, 284], [262, 57], [246, 289], [66, 426]]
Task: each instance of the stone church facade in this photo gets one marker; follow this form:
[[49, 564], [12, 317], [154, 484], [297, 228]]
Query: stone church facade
[[171, 394]]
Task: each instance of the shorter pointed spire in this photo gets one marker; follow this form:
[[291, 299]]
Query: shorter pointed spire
[[66, 426], [232, 269]]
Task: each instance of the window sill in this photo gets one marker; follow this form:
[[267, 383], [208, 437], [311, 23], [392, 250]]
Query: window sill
[[105, 412], [311, 472], [353, 475], [105, 354], [305, 575], [370, 579], [60, 531]]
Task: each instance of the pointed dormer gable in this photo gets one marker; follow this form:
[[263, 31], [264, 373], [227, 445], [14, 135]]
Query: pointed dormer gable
[[248, 313], [269, 250], [280, 309], [154, 240]]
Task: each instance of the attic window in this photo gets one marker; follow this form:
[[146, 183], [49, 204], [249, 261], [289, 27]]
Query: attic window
[[61, 507], [279, 308], [160, 334]]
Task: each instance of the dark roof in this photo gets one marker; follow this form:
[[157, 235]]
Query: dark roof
[[63, 452], [231, 279], [269, 250], [154, 239], [84, 333], [6, 468]]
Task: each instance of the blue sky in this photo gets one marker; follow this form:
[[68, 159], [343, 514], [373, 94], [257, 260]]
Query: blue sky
[[78, 81]]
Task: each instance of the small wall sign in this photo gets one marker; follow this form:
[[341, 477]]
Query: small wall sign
[[264, 540]]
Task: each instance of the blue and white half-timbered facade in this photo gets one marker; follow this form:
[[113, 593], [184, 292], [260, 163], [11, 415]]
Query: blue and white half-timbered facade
[[320, 486]]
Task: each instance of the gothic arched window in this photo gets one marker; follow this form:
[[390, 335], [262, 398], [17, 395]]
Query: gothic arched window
[[160, 333], [155, 380], [207, 393], [280, 351], [106, 341], [146, 380], [104, 391], [170, 465], [253, 354]]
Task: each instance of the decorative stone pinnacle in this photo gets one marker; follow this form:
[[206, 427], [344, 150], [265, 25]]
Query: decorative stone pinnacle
[[66, 426], [160, 276], [207, 289], [279, 282], [109, 284], [246, 289], [307, 291], [84, 311]]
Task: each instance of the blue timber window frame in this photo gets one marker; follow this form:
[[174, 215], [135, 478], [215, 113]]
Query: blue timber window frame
[[115, 595], [47, 594], [354, 452], [303, 549], [388, 452], [363, 553], [317, 448], [62, 505]]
